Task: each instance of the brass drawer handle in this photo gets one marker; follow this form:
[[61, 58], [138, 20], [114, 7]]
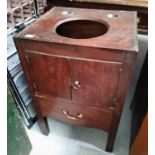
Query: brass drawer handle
[[79, 116]]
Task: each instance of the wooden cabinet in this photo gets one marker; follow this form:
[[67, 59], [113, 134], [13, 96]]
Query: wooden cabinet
[[79, 66]]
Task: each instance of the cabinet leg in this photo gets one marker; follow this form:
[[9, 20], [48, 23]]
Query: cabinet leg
[[43, 124], [112, 134], [110, 143]]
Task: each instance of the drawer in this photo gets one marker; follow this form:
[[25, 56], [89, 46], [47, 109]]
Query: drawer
[[75, 114]]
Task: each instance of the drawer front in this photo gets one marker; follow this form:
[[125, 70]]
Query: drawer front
[[74, 114]]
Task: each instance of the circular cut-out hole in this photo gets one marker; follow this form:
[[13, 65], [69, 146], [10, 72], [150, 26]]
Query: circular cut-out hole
[[81, 29], [112, 15]]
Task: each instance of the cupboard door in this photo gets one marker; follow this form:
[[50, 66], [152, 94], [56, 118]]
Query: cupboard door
[[95, 82], [50, 74]]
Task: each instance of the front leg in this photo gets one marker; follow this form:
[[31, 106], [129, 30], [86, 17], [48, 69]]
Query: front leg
[[112, 133], [43, 124]]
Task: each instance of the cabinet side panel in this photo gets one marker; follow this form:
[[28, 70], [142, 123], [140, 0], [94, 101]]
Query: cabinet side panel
[[19, 45], [126, 77]]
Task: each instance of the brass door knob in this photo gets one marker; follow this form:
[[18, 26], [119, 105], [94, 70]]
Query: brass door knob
[[77, 83]]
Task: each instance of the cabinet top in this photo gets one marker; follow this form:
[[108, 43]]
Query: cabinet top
[[86, 27]]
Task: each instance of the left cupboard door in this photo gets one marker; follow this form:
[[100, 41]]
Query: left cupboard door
[[50, 74]]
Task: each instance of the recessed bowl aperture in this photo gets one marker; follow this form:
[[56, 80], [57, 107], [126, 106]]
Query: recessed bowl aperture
[[82, 29]]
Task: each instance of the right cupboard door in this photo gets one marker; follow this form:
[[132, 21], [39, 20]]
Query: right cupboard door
[[95, 83]]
